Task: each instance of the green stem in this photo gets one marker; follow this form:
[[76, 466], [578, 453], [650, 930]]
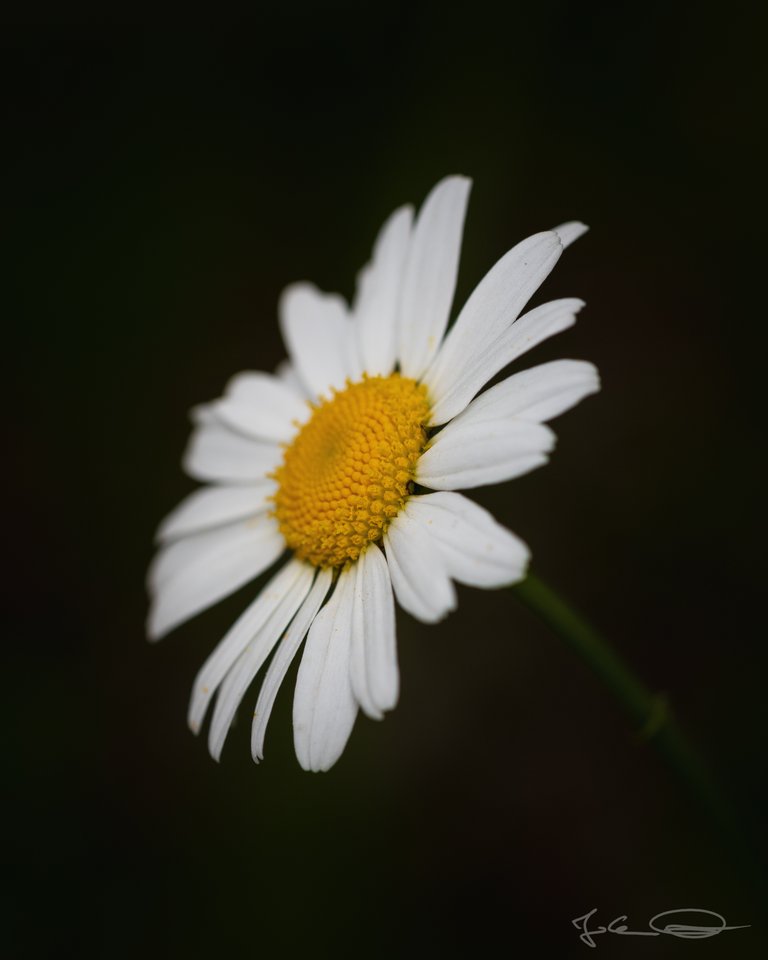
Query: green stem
[[649, 713]]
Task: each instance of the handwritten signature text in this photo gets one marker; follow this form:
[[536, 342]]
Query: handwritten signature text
[[658, 925]]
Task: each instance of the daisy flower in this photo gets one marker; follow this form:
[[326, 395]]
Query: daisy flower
[[344, 464]]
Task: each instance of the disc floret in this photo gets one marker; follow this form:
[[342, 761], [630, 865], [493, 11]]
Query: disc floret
[[349, 470]]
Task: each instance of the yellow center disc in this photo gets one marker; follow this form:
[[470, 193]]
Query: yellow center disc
[[350, 468]]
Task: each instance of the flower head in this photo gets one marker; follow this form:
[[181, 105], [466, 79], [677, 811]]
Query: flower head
[[330, 461]]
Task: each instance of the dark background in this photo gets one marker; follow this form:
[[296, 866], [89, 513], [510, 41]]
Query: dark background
[[165, 183]]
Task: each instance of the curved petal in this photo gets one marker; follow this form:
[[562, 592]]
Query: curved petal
[[286, 373], [466, 375], [173, 558], [378, 295], [472, 455], [537, 394], [475, 549], [261, 406], [282, 659], [378, 606], [493, 305], [244, 629], [318, 335], [430, 274], [373, 670], [210, 507], [217, 454], [419, 578], [193, 574], [568, 232], [324, 707], [358, 672], [250, 661]]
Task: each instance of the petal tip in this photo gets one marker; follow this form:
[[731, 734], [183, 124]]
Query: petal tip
[[570, 231], [155, 628]]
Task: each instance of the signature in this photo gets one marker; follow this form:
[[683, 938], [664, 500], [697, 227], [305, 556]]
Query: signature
[[685, 931]]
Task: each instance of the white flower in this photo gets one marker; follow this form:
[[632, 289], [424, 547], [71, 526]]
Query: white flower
[[322, 460]]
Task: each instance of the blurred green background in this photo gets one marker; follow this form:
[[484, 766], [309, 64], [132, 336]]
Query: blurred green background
[[166, 182]]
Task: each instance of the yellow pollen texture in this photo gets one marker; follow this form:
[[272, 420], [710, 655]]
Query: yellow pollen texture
[[350, 468]]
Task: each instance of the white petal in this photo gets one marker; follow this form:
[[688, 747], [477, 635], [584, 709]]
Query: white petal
[[373, 670], [282, 659], [378, 295], [214, 506], [464, 376], [193, 574], [358, 673], [237, 638], [475, 549], [379, 628], [216, 453], [430, 274], [202, 415], [173, 558], [324, 707], [317, 332], [568, 232], [538, 394], [493, 305], [262, 407], [472, 455], [250, 661], [419, 577], [286, 373]]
